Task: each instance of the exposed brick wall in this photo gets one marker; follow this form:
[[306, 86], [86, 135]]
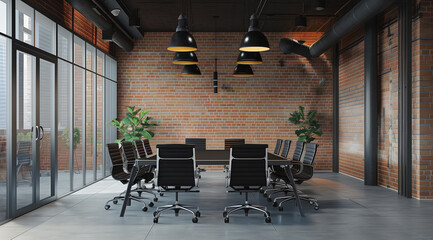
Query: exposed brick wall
[[422, 64], [61, 12], [255, 108], [352, 102]]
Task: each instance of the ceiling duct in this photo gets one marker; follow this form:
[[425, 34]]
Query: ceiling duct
[[288, 45], [110, 32], [361, 13]]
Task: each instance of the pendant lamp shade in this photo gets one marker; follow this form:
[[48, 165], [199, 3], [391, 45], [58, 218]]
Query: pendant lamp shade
[[249, 58], [242, 70], [254, 40], [191, 70], [182, 40], [185, 58]]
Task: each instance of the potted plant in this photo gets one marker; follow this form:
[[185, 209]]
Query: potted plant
[[134, 126], [308, 125]]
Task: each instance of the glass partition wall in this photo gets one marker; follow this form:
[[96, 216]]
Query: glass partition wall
[[54, 110]]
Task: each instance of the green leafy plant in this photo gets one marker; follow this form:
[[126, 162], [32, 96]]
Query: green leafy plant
[[308, 125], [134, 126], [21, 137], [76, 140]]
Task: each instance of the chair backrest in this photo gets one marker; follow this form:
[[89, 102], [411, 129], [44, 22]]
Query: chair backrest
[[228, 143], [278, 146], [139, 146], [116, 159], [129, 155], [176, 166], [147, 147], [310, 153], [248, 166], [298, 151], [200, 143], [286, 148]]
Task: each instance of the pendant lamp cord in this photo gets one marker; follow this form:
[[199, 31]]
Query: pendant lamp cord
[[261, 7]]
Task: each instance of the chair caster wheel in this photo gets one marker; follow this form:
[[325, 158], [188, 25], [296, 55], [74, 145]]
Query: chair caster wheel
[[262, 191], [268, 220], [154, 214], [265, 195], [316, 208], [155, 220], [115, 201], [311, 202], [269, 199], [176, 212], [161, 194], [155, 199], [107, 207], [267, 214], [246, 212], [226, 220], [151, 204], [225, 214], [275, 204], [197, 214], [144, 209], [195, 220], [280, 209]]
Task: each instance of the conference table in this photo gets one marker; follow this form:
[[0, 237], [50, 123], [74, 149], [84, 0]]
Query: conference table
[[211, 157]]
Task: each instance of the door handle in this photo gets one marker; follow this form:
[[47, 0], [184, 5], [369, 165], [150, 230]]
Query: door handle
[[36, 132], [43, 132]]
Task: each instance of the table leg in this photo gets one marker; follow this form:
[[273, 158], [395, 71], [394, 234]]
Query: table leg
[[295, 191], [132, 177]]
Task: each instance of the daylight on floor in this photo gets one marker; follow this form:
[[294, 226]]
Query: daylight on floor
[[208, 119]]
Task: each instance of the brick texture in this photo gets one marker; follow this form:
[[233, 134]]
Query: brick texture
[[255, 108]]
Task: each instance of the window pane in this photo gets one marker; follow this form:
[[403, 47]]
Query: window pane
[[99, 124], [110, 114], [5, 68], [45, 33], [24, 22], [26, 78], [90, 78], [5, 17], [90, 57], [100, 62], [79, 54], [114, 70], [79, 81], [64, 40], [111, 68], [64, 84]]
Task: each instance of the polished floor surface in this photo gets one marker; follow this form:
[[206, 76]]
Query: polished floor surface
[[348, 210]]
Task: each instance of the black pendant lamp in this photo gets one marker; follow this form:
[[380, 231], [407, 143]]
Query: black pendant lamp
[[191, 70], [182, 40], [185, 58], [242, 70], [249, 58], [254, 40]]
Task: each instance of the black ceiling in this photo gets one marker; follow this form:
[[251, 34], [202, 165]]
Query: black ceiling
[[277, 15]]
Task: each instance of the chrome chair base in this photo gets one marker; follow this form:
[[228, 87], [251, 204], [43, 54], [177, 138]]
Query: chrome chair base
[[246, 207], [177, 207], [311, 200], [121, 197]]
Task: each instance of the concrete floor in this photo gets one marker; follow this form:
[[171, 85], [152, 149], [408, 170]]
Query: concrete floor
[[348, 210]]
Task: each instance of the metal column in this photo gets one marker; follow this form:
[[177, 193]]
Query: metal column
[[335, 109], [405, 98], [370, 103]]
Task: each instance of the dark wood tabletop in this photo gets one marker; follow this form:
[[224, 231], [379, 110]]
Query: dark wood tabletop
[[217, 157]]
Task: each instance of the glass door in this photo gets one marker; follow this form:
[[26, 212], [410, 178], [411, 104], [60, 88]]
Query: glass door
[[35, 143]]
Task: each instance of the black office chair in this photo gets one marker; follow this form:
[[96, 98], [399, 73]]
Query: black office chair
[[144, 173], [277, 171], [176, 171], [248, 171], [200, 143], [278, 146], [302, 170], [148, 148], [118, 173], [228, 143], [141, 153], [24, 156]]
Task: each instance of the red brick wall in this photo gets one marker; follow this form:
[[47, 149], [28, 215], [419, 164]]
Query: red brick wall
[[422, 64], [256, 108]]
